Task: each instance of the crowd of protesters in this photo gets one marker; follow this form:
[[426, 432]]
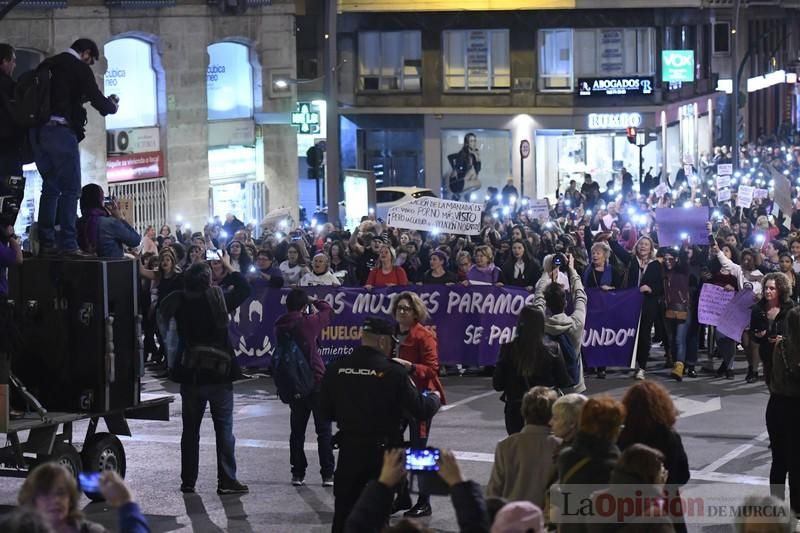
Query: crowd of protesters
[[592, 240]]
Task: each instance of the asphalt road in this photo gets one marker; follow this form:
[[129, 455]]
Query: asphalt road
[[722, 425]]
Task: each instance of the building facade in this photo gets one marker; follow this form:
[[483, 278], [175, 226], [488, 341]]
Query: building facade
[[566, 78], [200, 131]]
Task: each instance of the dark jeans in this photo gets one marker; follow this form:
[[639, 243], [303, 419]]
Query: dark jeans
[[648, 318], [55, 149], [301, 410], [514, 420], [783, 424], [194, 399], [10, 165], [358, 464]]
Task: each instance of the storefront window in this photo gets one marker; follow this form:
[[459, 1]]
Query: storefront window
[[473, 161], [390, 61], [476, 60], [229, 81], [565, 155], [130, 76]]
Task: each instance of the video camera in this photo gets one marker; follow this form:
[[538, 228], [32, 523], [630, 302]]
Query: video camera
[[12, 190]]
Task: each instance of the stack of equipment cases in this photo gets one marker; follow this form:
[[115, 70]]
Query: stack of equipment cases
[[81, 330]]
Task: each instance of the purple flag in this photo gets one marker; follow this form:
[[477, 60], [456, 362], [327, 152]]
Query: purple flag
[[677, 223], [612, 323]]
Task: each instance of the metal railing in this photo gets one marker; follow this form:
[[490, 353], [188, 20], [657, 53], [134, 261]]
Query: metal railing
[[150, 200]]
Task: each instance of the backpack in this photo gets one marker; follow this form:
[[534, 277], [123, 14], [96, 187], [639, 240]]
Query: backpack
[[570, 356], [212, 359], [32, 97], [291, 370]]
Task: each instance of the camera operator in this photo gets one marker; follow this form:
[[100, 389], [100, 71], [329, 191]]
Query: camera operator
[[206, 368], [102, 230], [369, 396], [566, 330], [10, 253]]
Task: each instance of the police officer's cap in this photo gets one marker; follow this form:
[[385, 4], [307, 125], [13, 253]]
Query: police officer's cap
[[378, 326]]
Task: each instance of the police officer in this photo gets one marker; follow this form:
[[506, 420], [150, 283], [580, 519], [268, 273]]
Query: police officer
[[367, 394]]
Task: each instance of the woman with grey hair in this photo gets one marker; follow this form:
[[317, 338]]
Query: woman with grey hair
[[320, 273], [600, 274], [524, 462]]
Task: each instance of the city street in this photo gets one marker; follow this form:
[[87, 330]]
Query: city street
[[722, 425]]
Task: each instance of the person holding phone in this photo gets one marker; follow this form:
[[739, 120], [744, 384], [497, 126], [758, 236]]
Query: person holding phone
[[102, 230], [303, 322]]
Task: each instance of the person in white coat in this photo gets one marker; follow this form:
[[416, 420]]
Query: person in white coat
[[320, 273]]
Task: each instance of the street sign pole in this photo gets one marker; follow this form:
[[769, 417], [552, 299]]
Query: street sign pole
[[524, 152]]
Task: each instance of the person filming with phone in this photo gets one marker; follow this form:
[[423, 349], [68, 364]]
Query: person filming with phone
[[102, 230], [301, 326], [369, 396]]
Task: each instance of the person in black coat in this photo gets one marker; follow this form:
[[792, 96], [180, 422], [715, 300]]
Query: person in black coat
[[650, 420], [11, 135], [646, 273], [591, 458], [527, 361], [521, 269], [768, 318]]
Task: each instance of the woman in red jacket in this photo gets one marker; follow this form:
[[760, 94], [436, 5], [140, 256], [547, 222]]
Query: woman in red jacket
[[386, 273], [418, 351]]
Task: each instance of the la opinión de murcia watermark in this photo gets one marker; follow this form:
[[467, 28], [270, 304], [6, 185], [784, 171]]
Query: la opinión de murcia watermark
[[621, 504]]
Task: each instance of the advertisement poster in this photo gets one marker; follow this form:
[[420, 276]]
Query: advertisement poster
[[474, 160]]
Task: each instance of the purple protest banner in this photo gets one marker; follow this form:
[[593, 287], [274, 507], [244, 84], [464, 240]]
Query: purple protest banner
[[713, 303], [736, 317], [677, 223], [470, 322], [612, 323]]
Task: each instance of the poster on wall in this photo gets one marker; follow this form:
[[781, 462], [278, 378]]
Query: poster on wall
[[473, 161], [229, 81], [478, 55], [610, 51], [131, 77]]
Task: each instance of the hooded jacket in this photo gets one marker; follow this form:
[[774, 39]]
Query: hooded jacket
[[562, 323], [305, 330]]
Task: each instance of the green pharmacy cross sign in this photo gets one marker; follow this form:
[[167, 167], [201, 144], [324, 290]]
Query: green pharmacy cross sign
[[306, 118]]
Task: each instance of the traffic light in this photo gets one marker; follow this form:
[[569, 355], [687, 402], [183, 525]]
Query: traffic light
[[314, 159], [631, 132]]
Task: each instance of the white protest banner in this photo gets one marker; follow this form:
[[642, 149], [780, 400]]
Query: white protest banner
[[713, 302], [724, 195], [427, 213], [539, 209], [783, 191], [725, 169], [723, 181], [760, 194], [745, 196]]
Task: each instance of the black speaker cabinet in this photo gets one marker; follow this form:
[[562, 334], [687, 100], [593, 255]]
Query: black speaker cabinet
[[81, 331]]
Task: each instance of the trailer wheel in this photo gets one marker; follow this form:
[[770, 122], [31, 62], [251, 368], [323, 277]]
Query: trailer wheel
[[103, 452], [65, 454]]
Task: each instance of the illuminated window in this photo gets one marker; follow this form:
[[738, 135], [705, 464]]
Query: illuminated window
[[476, 60], [229, 81], [131, 76], [390, 61]]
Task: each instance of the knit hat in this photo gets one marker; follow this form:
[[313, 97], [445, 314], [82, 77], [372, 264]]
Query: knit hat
[[441, 255], [518, 517]]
